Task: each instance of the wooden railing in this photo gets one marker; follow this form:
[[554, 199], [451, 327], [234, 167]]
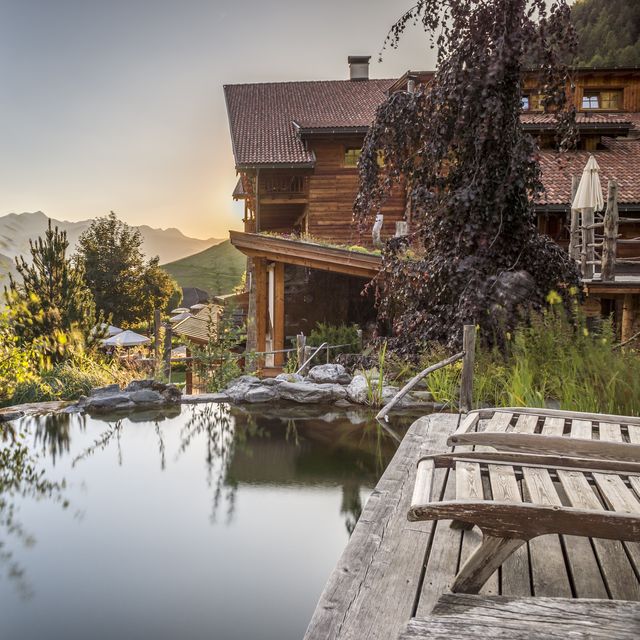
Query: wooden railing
[[594, 239], [283, 185]]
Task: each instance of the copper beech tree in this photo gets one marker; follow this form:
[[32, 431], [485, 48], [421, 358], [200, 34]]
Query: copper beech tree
[[471, 173]]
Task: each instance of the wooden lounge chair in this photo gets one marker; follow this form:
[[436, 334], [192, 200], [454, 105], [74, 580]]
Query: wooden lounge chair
[[552, 432], [514, 497]]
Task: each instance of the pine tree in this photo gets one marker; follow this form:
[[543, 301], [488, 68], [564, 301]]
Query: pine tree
[[608, 33], [58, 305]]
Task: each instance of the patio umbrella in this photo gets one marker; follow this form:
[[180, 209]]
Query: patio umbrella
[[179, 317], [198, 306], [126, 338], [109, 329], [588, 199], [589, 193], [180, 310]]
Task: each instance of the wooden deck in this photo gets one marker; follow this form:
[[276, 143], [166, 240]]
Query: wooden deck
[[393, 570]]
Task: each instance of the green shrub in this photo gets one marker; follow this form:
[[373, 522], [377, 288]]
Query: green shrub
[[215, 363], [344, 334]]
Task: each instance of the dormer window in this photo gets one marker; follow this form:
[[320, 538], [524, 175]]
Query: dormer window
[[609, 100]]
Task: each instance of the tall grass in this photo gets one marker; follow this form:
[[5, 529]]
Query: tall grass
[[71, 379], [554, 360]]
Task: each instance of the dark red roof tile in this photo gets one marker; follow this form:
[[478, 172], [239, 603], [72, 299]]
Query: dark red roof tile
[[261, 116], [620, 160]]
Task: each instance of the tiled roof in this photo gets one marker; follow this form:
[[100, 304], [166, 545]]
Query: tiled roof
[[582, 118], [619, 160], [262, 116]]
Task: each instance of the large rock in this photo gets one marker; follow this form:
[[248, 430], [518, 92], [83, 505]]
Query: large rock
[[261, 393], [329, 374], [146, 396], [103, 403], [171, 394], [238, 389], [358, 390], [108, 390], [309, 393], [289, 377], [138, 394]]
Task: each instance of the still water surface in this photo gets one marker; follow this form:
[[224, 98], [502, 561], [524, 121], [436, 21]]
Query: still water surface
[[208, 522]]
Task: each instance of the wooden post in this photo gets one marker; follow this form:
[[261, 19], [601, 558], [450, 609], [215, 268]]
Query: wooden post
[[261, 285], [628, 317], [574, 234], [167, 351], [156, 336], [257, 208], [188, 387], [610, 234], [587, 253], [278, 320], [301, 342], [466, 380]]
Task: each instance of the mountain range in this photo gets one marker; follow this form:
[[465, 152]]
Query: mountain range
[[16, 229]]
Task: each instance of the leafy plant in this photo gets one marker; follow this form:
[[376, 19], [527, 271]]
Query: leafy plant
[[375, 379], [470, 171], [216, 362], [557, 358], [341, 334]]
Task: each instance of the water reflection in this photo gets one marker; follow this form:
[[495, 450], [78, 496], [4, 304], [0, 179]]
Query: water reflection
[[188, 515], [21, 477]]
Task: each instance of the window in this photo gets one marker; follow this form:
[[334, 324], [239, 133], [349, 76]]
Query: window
[[591, 100], [609, 100], [351, 157], [532, 102]]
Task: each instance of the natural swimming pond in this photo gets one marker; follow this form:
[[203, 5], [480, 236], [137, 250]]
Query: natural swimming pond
[[204, 522]]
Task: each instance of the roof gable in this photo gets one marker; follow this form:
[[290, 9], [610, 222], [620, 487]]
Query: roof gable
[[263, 118]]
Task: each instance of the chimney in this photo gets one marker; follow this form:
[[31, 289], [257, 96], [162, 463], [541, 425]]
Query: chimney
[[359, 67]]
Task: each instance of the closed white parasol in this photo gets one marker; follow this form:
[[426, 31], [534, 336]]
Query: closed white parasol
[[126, 338], [588, 199], [589, 193]]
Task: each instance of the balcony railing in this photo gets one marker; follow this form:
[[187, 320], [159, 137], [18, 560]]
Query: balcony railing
[[292, 186]]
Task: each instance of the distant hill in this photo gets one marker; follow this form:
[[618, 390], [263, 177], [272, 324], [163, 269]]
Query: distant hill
[[608, 33], [16, 229], [217, 269]]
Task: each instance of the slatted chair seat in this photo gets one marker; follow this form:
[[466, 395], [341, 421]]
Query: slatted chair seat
[[514, 497], [554, 432]]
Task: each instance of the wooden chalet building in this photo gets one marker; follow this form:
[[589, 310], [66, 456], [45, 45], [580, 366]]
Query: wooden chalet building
[[296, 146]]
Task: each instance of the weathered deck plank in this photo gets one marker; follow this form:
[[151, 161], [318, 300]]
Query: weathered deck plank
[[384, 558], [393, 569], [465, 616]]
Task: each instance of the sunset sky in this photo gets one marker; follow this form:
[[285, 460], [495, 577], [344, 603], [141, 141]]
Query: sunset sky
[[118, 104]]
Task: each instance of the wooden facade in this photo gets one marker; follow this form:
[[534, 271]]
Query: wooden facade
[[311, 198]]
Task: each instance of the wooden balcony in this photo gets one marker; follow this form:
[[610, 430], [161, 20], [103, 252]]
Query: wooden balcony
[[283, 189]]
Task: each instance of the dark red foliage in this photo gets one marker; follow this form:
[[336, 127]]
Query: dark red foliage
[[470, 170]]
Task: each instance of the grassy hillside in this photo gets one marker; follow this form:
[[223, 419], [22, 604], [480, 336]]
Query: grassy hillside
[[217, 269]]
